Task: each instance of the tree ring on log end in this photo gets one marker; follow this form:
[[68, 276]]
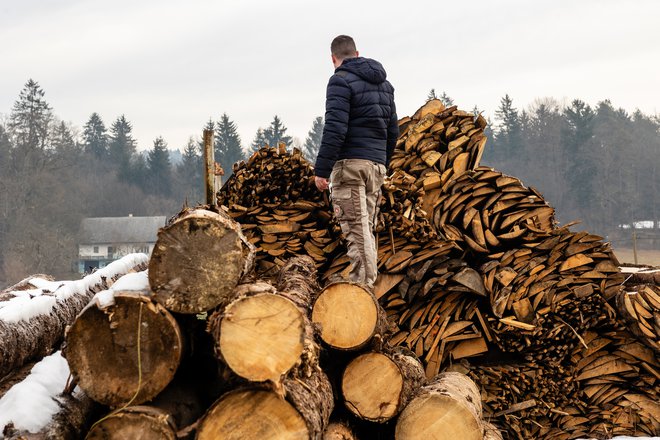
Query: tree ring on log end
[[144, 423], [261, 336], [372, 385], [252, 414], [348, 315], [101, 349], [438, 417]]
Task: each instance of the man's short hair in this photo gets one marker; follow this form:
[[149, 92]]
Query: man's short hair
[[343, 47]]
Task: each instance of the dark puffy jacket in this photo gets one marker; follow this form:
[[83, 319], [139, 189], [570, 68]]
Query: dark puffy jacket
[[360, 116]]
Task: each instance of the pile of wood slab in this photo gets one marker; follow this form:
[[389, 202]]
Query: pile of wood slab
[[488, 320]]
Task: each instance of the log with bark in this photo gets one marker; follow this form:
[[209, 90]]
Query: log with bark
[[137, 349], [299, 407], [349, 316], [282, 213], [447, 408], [266, 331], [376, 386], [198, 260], [32, 321]]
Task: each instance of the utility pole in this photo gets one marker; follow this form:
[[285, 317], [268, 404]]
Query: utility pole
[[634, 243]]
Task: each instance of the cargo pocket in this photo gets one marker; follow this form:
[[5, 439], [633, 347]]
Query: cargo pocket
[[346, 203]]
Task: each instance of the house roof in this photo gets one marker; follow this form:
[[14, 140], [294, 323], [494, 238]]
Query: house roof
[[98, 230]]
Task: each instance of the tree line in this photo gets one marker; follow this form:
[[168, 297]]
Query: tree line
[[53, 174], [596, 164]]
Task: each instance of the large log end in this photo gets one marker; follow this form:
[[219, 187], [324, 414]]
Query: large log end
[[102, 349], [347, 314]]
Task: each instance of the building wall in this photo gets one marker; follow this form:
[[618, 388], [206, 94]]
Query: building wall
[[96, 256]]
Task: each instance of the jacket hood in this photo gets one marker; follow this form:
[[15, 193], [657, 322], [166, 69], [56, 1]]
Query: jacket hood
[[366, 68]]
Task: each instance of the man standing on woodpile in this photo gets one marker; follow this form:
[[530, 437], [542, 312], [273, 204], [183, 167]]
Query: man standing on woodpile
[[359, 136]]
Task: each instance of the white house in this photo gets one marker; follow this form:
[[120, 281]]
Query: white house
[[105, 239]]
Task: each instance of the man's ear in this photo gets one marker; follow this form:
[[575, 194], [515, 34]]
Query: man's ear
[[357, 53]]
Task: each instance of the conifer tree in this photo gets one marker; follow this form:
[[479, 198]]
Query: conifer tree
[[431, 95], [189, 173], [259, 140], [313, 141], [509, 136], [63, 142], [276, 133], [95, 138], [30, 118], [121, 147], [228, 148], [159, 168]]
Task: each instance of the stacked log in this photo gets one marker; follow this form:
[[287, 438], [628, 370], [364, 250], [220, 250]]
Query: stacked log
[[198, 260], [266, 331], [138, 343], [477, 283], [448, 408], [281, 212]]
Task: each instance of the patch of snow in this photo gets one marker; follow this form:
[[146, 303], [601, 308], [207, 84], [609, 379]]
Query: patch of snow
[[132, 281], [24, 308], [104, 298], [30, 404], [27, 304], [42, 284]]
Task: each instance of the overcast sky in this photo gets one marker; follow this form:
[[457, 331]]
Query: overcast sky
[[170, 65]]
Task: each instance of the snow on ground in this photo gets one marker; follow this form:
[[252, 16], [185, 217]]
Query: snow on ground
[[27, 304], [30, 404]]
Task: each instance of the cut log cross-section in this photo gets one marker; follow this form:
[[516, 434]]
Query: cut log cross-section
[[115, 369], [258, 412], [137, 422], [198, 260], [377, 386], [349, 316], [449, 408], [266, 331]]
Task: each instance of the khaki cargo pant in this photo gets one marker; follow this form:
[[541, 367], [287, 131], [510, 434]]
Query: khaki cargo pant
[[355, 189]]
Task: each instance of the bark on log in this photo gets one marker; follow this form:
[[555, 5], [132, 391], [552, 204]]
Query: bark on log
[[266, 332], [37, 336], [377, 386], [349, 316], [260, 412], [491, 432], [136, 422], [448, 408], [129, 345], [198, 261]]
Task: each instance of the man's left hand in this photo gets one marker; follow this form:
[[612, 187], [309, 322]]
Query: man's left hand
[[321, 183]]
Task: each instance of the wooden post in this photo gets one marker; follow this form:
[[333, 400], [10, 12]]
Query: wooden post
[[209, 168]]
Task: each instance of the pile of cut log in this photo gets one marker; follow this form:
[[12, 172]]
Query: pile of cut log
[[487, 321]]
